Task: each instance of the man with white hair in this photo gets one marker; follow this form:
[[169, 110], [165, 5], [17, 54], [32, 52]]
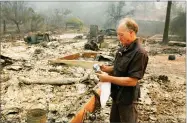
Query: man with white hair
[[129, 67]]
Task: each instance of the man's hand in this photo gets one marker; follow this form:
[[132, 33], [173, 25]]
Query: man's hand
[[122, 81], [107, 69], [103, 77]]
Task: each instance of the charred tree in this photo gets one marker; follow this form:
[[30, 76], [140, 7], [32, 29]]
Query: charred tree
[[166, 28], [4, 26]]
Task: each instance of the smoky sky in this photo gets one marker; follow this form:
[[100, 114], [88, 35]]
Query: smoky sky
[[95, 12]]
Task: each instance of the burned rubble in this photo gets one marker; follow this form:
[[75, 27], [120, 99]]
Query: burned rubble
[[29, 81]]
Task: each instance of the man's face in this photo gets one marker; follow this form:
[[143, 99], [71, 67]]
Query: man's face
[[124, 35]]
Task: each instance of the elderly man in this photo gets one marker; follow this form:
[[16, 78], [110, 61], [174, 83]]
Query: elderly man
[[129, 67]]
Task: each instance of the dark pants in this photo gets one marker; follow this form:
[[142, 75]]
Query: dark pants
[[121, 113]]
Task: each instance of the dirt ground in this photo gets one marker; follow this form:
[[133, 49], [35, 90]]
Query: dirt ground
[[162, 88]]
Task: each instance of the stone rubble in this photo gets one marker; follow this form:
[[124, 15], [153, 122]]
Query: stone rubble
[[162, 88]]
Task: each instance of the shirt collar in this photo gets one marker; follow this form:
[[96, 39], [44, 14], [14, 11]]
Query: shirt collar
[[130, 47]]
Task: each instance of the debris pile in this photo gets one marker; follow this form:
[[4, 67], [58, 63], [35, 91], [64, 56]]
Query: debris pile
[[29, 81]]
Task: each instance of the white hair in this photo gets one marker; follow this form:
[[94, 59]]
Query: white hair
[[129, 24]]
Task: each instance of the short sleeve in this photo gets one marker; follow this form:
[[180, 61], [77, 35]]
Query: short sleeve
[[138, 65]]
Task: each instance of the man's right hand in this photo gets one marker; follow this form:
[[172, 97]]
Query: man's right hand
[[107, 69]]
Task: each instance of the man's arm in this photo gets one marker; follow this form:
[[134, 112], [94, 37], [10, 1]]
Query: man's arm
[[122, 81], [135, 72]]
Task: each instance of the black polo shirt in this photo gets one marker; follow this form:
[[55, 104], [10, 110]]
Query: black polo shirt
[[130, 61]]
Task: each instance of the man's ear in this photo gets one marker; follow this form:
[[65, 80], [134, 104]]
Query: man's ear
[[131, 32]]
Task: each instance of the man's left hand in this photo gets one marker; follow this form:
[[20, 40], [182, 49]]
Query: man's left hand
[[103, 77]]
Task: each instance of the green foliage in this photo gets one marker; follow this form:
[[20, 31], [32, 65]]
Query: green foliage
[[75, 22], [176, 9], [178, 20], [178, 25]]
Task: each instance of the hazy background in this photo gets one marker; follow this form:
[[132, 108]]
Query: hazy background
[[149, 15]]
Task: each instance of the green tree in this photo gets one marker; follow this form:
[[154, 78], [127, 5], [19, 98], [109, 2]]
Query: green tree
[[76, 22], [178, 19], [178, 25], [177, 8]]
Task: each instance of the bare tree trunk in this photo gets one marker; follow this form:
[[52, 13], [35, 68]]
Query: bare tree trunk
[[166, 28], [115, 23], [4, 26], [54, 81], [17, 24], [31, 26]]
